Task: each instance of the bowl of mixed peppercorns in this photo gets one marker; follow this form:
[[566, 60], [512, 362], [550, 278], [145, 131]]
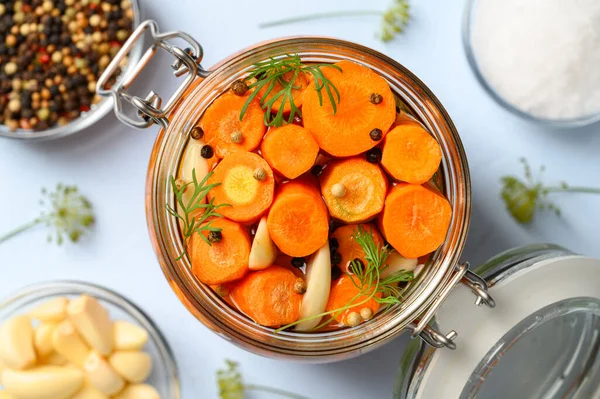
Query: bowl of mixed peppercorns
[[52, 53]]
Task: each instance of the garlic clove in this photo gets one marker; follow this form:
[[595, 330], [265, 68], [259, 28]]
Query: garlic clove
[[138, 391], [42, 339], [101, 375], [395, 263], [54, 359], [192, 161], [263, 252], [133, 366], [92, 322], [52, 311], [128, 336], [6, 395], [16, 343], [89, 392], [68, 343], [46, 382], [318, 285]]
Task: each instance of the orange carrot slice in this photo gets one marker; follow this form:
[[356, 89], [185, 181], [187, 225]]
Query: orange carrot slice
[[410, 154], [300, 84], [348, 248], [354, 189], [347, 132], [222, 120], [223, 261], [298, 221], [342, 292], [290, 150], [415, 220], [248, 196], [268, 296]]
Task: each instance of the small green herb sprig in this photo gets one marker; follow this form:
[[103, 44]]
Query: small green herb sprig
[[190, 224], [69, 214], [231, 384], [368, 280], [394, 20], [524, 197], [273, 71]]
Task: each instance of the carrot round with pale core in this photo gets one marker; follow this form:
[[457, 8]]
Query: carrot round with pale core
[[345, 290], [223, 261], [410, 154], [347, 132], [415, 220], [290, 150], [354, 189], [248, 197], [348, 248], [300, 85], [268, 297], [221, 122], [298, 222]]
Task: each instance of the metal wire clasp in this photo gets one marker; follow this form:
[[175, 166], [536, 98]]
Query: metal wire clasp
[[149, 108], [476, 284]]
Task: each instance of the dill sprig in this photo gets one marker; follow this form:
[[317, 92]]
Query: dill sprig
[[524, 197], [69, 214], [367, 279], [191, 224], [277, 71]]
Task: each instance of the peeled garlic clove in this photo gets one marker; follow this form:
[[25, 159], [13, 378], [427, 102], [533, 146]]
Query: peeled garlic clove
[[318, 284], [133, 366], [16, 343], [89, 392], [46, 382], [138, 391], [92, 322], [68, 343], [42, 339], [101, 375], [6, 395], [52, 311], [192, 161], [128, 336], [54, 359], [263, 252], [395, 263]]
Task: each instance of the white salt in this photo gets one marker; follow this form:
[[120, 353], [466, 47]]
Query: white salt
[[541, 56]]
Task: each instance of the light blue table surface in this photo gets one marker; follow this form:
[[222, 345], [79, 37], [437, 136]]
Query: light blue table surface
[[109, 160]]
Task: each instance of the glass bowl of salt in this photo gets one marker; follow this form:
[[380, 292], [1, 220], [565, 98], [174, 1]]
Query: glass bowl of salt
[[540, 59]]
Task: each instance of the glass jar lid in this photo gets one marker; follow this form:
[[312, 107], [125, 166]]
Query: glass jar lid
[[541, 341]]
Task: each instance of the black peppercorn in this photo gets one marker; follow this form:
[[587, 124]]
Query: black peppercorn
[[206, 152], [298, 262], [334, 245], [215, 236], [374, 155], [376, 134], [336, 257], [336, 272], [332, 226], [239, 87], [197, 133], [376, 98], [397, 109], [316, 170]]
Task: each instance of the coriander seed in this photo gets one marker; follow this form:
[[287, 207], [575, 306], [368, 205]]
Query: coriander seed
[[353, 319], [239, 87], [222, 291], [376, 98], [215, 236], [300, 286], [237, 137], [206, 152], [197, 133], [260, 174], [366, 314], [338, 190], [376, 134]]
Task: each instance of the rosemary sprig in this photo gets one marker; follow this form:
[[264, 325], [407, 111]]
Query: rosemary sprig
[[69, 214], [231, 385], [524, 197], [190, 224], [394, 19], [368, 280], [277, 71]]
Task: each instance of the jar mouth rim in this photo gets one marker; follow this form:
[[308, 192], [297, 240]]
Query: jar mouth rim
[[200, 299]]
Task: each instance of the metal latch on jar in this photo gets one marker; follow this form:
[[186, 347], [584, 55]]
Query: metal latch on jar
[[475, 283], [150, 108]]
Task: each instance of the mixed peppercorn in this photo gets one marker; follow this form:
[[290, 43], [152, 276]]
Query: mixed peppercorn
[[51, 55]]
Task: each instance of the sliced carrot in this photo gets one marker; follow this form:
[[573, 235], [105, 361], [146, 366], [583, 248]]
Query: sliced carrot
[[354, 189], [222, 120], [247, 196], [410, 154], [348, 248], [345, 290], [268, 296], [298, 222], [348, 131], [300, 84], [415, 220], [223, 261], [290, 150]]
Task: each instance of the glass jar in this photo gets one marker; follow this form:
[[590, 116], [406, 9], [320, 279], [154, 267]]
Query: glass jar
[[183, 111]]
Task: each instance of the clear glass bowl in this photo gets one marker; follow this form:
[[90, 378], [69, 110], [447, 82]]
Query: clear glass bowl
[[472, 60], [96, 112], [164, 377]]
